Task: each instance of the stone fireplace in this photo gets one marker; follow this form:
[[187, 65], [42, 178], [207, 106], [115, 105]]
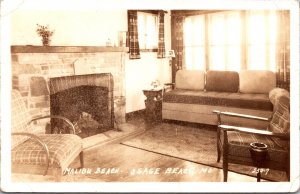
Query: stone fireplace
[[87, 100], [34, 66]]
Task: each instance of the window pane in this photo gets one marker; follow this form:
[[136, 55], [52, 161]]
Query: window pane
[[194, 34], [151, 33], [224, 41], [141, 30], [261, 40], [188, 57], [233, 58], [272, 39], [233, 29], [256, 28], [148, 30], [217, 27], [217, 58], [194, 58], [199, 58], [256, 57], [187, 29]]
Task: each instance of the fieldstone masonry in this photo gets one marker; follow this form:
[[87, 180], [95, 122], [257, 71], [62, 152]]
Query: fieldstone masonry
[[31, 70]]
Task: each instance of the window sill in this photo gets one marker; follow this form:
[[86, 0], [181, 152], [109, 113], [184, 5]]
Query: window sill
[[148, 50]]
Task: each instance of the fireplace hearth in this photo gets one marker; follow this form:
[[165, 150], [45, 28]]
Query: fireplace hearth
[[87, 100]]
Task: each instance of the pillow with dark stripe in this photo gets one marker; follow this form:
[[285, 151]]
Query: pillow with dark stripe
[[222, 81], [280, 122]]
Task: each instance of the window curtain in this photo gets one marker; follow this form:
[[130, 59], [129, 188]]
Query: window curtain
[[179, 42], [283, 51], [161, 52], [134, 49]]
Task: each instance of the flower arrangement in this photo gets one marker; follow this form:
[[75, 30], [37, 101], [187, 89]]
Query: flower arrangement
[[155, 83], [45, 33]]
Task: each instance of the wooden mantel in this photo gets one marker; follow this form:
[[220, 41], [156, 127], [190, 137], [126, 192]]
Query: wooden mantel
[[65, 49]]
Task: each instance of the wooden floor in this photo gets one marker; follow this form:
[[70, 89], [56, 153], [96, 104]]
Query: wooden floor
[[139, 165], [120, 163]]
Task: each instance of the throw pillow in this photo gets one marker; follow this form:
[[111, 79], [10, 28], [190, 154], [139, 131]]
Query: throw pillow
[[222, 81], [257, 81], [280, 122], [275, 94]]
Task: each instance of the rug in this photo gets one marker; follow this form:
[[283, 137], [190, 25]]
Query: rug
[[195, 144]]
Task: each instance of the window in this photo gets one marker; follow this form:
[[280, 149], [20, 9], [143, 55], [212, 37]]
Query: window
[[231, 41], [147, 30]]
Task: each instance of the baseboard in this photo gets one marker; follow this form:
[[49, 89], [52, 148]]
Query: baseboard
[[138, 113]]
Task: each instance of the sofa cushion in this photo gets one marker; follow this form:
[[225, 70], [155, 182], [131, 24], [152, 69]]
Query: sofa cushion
[[257, 81], [229, 99], [190, 79], [222, 81]]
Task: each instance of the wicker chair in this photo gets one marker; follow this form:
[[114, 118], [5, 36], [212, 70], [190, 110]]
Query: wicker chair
[[39, 153], [234, 141]]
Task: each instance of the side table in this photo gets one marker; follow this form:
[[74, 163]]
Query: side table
[[153, 104]]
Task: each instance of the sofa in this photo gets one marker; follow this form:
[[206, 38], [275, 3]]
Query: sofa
[[197, 94]]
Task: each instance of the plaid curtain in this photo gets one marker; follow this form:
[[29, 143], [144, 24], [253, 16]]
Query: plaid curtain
[[179, 42], [134, 49], [283, 50], [161, 53]]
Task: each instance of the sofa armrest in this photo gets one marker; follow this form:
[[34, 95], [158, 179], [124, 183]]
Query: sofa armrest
[[56, 117], [45, 147], [168, 87], [284, 136], [219, 113], [169, 84]]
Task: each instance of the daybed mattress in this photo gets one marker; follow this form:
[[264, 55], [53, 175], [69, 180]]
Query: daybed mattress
[[225, 99]]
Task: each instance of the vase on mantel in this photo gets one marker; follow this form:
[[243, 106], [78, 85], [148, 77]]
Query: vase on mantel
[[46, 41], [45, 33]]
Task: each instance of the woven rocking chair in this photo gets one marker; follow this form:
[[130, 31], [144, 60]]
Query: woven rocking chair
[[36, 153]]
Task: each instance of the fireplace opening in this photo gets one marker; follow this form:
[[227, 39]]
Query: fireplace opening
[[86, 100]]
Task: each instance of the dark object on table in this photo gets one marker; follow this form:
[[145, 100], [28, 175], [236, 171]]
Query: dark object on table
[[258, 153]]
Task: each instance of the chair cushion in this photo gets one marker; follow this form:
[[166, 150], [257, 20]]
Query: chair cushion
[[61, 148], [190, 79], [257, 81], [239, 144], [222, 81]]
